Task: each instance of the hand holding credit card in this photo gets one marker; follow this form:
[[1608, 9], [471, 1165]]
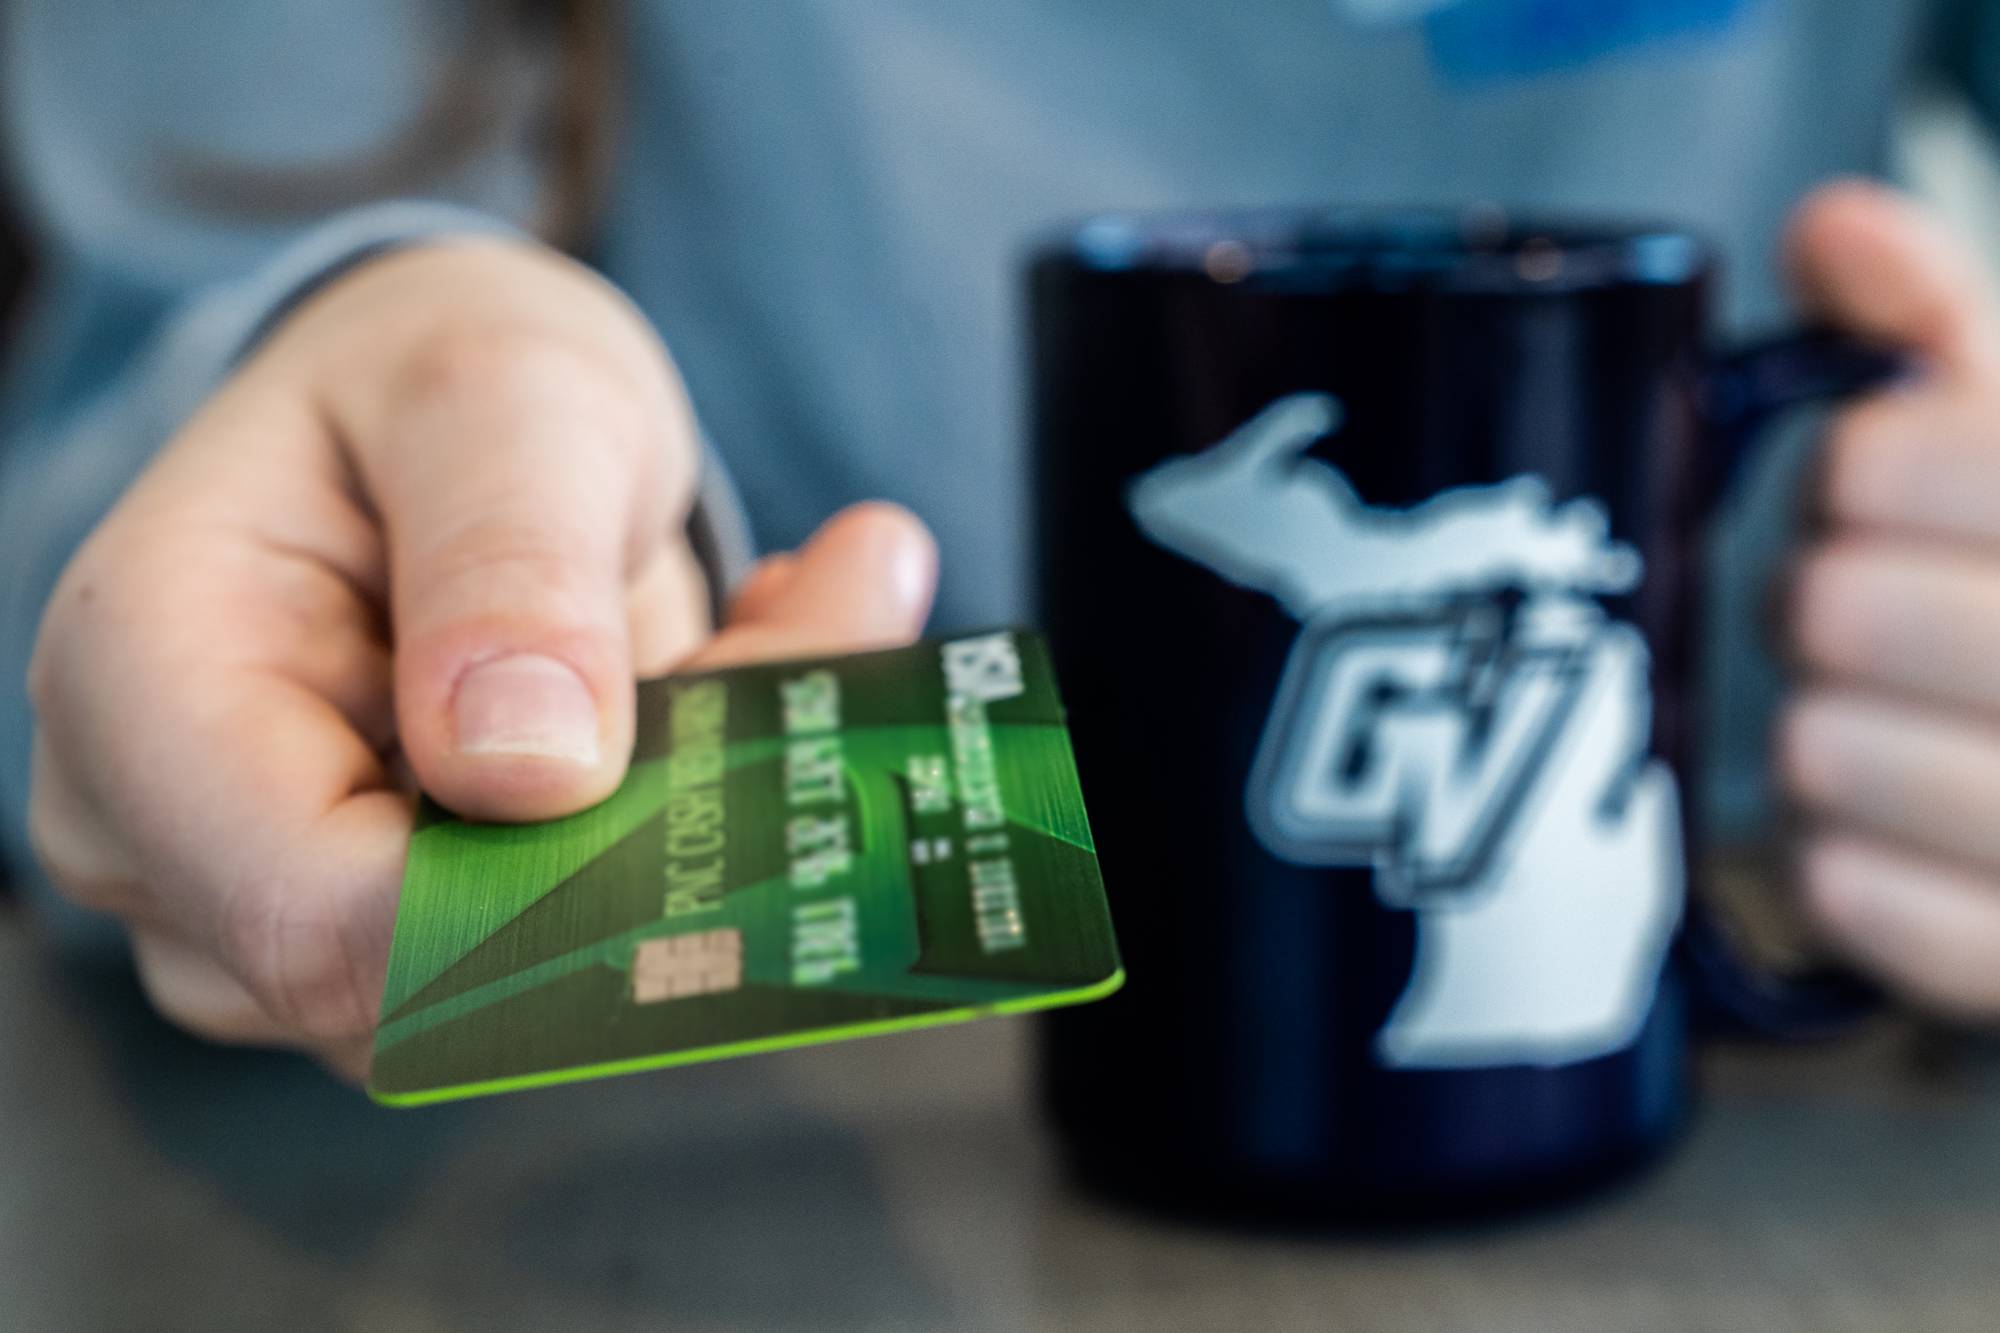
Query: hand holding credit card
[[801, 852]]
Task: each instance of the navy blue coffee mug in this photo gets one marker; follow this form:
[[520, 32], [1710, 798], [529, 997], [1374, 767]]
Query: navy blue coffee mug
[[1368, 549]]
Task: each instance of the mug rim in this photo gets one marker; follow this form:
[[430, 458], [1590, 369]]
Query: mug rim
[[1479, 247]]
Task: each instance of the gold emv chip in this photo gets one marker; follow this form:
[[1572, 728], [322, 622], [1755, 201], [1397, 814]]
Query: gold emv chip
[[673, 967]]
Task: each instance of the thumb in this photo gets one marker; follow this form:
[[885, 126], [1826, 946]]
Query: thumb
[[1875, 263], [523, 487]]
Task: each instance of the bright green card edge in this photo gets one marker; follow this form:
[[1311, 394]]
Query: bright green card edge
[[759, 1046]]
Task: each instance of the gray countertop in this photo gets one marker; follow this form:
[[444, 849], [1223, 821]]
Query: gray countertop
[[150, 1182]]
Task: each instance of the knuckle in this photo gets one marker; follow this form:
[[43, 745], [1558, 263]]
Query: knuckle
[[523, 371], [78, 865], [508, 436], [459, 360], [195, 993], [512, 561], [179, 1003], [46, 660], [294, 961], [172, 1000], [48, 846]]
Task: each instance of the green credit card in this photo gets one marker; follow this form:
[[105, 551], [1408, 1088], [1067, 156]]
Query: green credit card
[[802, 852]]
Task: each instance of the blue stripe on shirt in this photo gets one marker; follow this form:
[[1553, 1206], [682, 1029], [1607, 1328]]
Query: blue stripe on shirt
[[1484, 41]]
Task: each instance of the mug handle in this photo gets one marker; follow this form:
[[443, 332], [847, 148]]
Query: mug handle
[[1744, 392]]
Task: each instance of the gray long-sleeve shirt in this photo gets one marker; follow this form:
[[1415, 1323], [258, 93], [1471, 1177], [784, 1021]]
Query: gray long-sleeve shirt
[[821, 204]]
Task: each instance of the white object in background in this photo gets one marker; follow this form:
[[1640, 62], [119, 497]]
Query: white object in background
[[1461, 717]]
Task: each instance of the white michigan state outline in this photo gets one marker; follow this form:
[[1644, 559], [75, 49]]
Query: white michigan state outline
[[1461, 716]]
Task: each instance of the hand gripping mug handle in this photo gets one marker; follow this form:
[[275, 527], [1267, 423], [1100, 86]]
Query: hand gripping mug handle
[[1745, 391]]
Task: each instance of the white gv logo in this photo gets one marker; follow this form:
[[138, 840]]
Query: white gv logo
[[1460, 715]]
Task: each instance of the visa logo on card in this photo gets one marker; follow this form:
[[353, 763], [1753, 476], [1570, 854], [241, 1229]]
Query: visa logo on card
[[1477, 41]]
